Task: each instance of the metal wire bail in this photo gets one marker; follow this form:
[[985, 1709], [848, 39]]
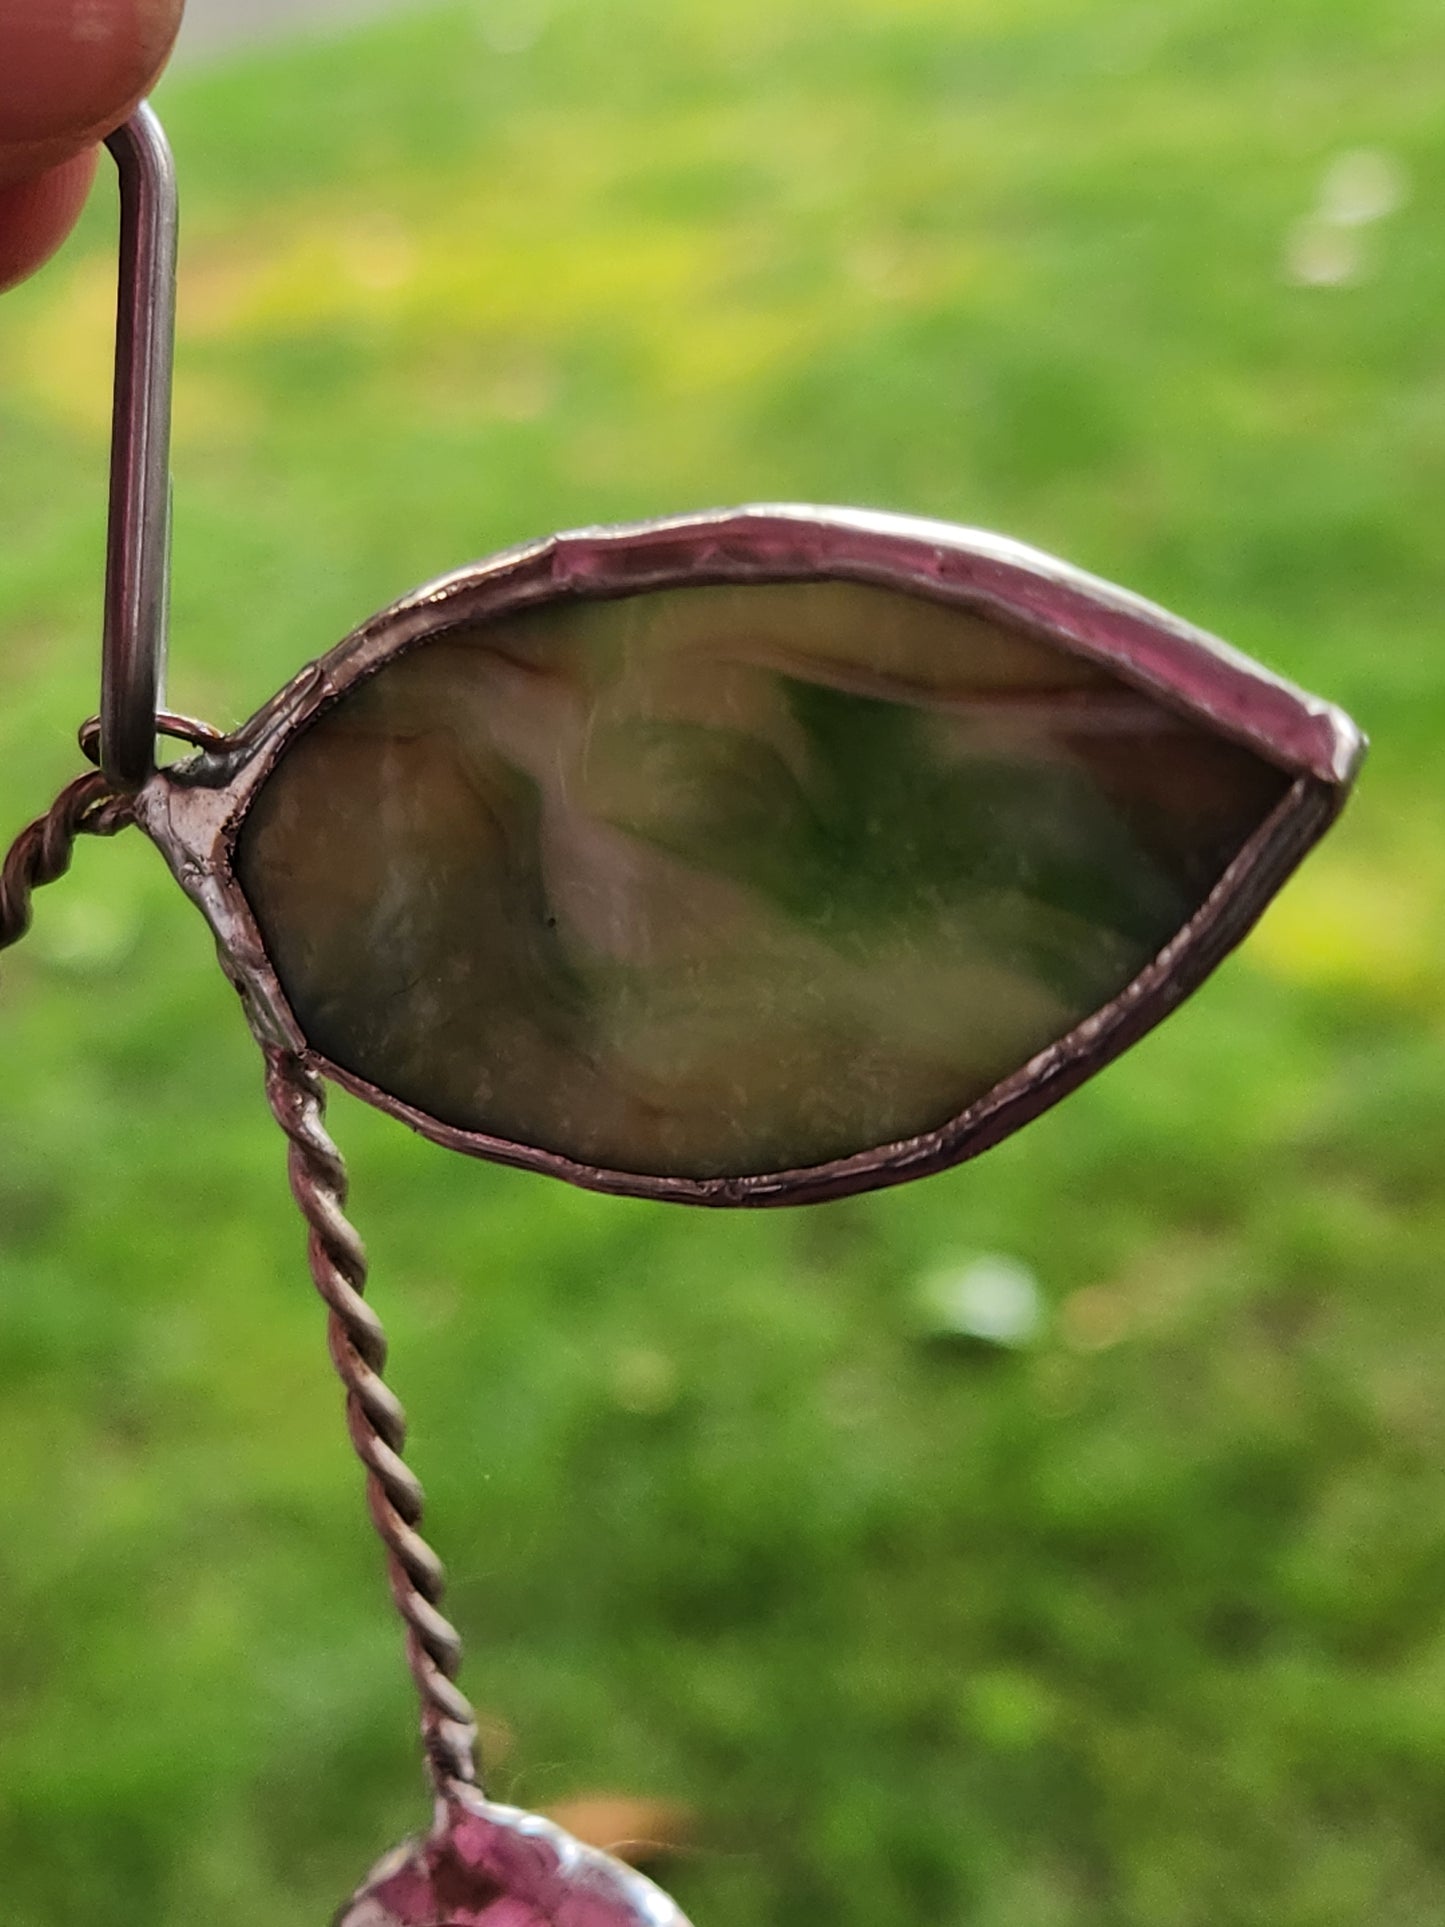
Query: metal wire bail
[[137, 557]]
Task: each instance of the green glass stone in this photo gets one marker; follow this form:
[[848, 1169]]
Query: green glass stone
[[721, 880]]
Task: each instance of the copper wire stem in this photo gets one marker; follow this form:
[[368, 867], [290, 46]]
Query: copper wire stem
[[41, 854], [374, 1417]]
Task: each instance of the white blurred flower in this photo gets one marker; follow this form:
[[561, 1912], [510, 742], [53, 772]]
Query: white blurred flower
[[1359, 187], [1319, 254], [992, 1299], [1363, 185]]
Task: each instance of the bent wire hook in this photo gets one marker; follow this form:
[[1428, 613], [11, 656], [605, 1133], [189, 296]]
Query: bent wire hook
[[137, 559]]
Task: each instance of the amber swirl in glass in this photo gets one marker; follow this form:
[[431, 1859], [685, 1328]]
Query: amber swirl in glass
[[748, 857]]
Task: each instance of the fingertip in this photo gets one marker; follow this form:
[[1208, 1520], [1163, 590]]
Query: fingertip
[[36, 216], [71, 70]]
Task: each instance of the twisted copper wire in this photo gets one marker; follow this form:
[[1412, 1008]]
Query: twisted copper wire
[[90, 806], [41, 854], [374, 1416]]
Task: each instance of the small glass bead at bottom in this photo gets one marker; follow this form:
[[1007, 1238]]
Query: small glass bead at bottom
[[494, 1866]]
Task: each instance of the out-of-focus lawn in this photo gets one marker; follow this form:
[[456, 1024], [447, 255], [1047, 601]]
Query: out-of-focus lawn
[[1143, 1627]]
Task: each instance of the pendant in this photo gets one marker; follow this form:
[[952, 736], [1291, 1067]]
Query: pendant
[[745, 858], [751, 857]]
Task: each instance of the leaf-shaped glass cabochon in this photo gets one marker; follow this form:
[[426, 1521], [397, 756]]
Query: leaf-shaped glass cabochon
[[761, 855]]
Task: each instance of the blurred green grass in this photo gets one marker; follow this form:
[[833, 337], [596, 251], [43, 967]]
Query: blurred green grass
[[1141, 1628]]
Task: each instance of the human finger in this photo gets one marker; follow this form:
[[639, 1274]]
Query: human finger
[[70, 71], [36, 216]]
